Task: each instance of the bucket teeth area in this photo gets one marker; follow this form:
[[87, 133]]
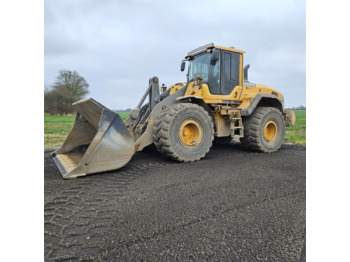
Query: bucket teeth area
[[69, 160]]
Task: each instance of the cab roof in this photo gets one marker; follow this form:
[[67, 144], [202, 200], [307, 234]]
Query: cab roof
[[211, 46]]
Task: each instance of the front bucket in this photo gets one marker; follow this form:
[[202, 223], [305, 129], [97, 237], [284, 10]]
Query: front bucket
[[99, 141]]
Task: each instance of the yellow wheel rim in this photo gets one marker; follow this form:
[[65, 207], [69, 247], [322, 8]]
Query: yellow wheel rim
[[270, 131], [190, 133]]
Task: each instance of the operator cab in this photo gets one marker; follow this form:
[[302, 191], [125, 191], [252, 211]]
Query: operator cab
[[219, 67]]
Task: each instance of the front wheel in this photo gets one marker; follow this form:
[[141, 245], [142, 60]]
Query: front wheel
[[184, 132], [264, 130]]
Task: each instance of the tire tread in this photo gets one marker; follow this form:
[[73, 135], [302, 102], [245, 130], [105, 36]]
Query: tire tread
[[251, 124], [161, 132]]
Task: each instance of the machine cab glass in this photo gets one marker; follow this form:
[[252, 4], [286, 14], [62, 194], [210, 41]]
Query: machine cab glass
[[221, 74]]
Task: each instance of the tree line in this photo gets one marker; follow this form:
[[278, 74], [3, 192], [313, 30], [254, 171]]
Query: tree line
[[297, 108], [68, 88]]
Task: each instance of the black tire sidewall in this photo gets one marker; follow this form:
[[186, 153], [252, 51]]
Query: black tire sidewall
[[202, 117]]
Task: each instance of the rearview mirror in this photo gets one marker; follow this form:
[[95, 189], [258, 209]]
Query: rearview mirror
[[215, 56], [183, 64]]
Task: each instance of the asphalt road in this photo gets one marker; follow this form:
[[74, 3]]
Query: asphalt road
[[234, 205]]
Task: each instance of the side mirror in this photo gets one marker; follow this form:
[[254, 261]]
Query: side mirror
[[183, 64], [215, 56]]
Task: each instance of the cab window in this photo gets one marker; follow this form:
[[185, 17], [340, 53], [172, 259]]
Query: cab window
[[230, 76]]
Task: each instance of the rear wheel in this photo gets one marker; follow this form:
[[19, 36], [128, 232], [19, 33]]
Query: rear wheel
[[184, 132], [264, 130]]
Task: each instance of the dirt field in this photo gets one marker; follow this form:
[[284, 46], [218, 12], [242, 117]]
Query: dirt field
[[234, 205]]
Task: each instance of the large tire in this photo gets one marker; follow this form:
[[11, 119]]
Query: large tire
[[264, 130], [184, 132]]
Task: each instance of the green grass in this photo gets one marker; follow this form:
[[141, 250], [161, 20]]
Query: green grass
[[56, 128], [297, 133], [58, 124], [123, 115]]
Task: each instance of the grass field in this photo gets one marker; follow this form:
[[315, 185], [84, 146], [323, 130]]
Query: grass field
[[56, 129], [297, 133]]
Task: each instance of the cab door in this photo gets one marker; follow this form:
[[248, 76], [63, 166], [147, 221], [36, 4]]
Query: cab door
[[230, 72]]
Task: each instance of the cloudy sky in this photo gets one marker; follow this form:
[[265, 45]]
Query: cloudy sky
[[118, 45]]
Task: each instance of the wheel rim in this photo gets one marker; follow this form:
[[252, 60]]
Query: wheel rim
[[190, 133], [270, 131]]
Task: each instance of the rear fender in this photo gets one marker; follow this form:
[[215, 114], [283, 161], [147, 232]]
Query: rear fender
[[262, 100]]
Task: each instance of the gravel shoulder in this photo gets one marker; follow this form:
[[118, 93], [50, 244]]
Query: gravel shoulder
[[234, 205]]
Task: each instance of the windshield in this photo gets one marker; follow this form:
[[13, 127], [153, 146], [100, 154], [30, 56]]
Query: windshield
[[200, 65]]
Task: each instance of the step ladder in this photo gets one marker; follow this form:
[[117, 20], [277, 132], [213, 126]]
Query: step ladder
[[236, 124]]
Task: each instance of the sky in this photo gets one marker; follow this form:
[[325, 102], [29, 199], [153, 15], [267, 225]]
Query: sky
[[118, 45]]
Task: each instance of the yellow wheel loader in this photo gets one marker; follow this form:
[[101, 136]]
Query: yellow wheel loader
[[217, 103]]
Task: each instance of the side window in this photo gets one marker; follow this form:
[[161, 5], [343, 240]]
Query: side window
[[235, 68], [227, 66], [230, 77]]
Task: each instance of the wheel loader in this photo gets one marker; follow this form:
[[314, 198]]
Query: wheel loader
[[216, 103]]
